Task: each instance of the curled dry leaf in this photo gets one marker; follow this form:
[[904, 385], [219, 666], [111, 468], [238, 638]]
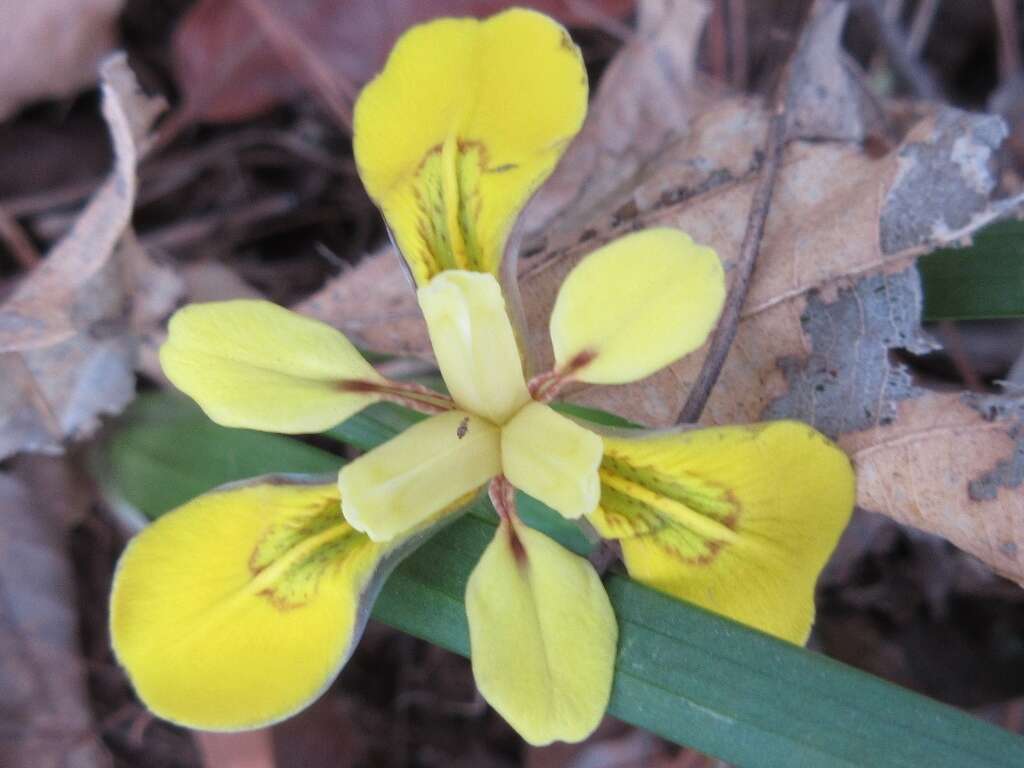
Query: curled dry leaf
[[44, 706], [50, 48], [68, 331], [834, 295]]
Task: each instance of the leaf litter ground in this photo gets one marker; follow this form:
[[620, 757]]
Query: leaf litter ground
[[273, 199]]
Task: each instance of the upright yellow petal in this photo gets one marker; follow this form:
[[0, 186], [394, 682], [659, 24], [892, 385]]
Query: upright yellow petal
[[636, 305], [463, 124], [739, 520], [239, 608], [418, 474], [553, 459], [542, 636], [257, 365], [474, 343]]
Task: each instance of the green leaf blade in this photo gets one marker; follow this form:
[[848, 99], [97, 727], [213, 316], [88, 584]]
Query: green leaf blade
[[982, 281]]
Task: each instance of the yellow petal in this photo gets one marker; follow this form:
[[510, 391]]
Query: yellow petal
[[739, 520], [553, 459], [240, 607], [636, 305], [542, 636], [257, 365], [474, 343], [418, 474], [465, 121]]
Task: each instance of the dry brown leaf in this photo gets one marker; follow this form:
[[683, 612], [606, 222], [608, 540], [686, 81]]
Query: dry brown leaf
[[248, 749], [228, 69], [835, 291], [68, 332], [647, 92], [50, 48], [44, 707]]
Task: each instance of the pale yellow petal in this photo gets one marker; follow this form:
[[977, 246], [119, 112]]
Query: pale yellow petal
[[240, 607], [419, 473], [474, 343], [635, 306], [257, 365], [542, 636], [739, 520], [463, 124], [553, 459]]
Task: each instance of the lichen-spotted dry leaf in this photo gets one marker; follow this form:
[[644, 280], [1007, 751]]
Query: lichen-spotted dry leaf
[[835, 291], [68, 331]]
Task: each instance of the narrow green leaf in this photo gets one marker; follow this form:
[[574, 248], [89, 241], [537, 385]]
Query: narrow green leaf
[[686, 674], [165, 451], [594, 416], [983, 280]]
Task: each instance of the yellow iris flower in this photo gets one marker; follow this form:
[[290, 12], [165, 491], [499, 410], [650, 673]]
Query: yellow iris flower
[[239, 608]]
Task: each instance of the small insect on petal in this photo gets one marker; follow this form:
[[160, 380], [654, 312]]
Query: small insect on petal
[[419, 473], [635, 306]]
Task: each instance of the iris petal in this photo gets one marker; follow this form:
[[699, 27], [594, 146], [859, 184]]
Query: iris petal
[[419, 473], [542, 636]]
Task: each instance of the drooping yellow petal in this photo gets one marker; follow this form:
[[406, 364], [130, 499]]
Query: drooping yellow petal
[[553, 459], [257, 365], [240, 607], [474, 343], [739, 520], [419, 473], [636, 305], [463, 124], [542, 636]]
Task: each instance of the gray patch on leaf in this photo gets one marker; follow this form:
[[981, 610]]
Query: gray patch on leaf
[[1008, 473], [942, 183], [848, 383]]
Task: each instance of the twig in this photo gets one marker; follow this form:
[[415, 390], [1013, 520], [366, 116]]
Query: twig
[[738, 43], [717, 42], [760, 204], [1008, 26], [337, 91], [954, 344], [921, 26], [601, 19], [916, 76], [223, 222], [21, 247]]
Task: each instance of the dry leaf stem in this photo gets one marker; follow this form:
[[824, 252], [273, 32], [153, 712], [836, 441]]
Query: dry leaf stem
[[760, 204], [910, 70], [336, 90], [1007, 27], [17, 241]]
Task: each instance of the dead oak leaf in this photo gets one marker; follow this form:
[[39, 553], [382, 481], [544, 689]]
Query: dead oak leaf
[[50, 48], [68, 331], [45, 703]]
